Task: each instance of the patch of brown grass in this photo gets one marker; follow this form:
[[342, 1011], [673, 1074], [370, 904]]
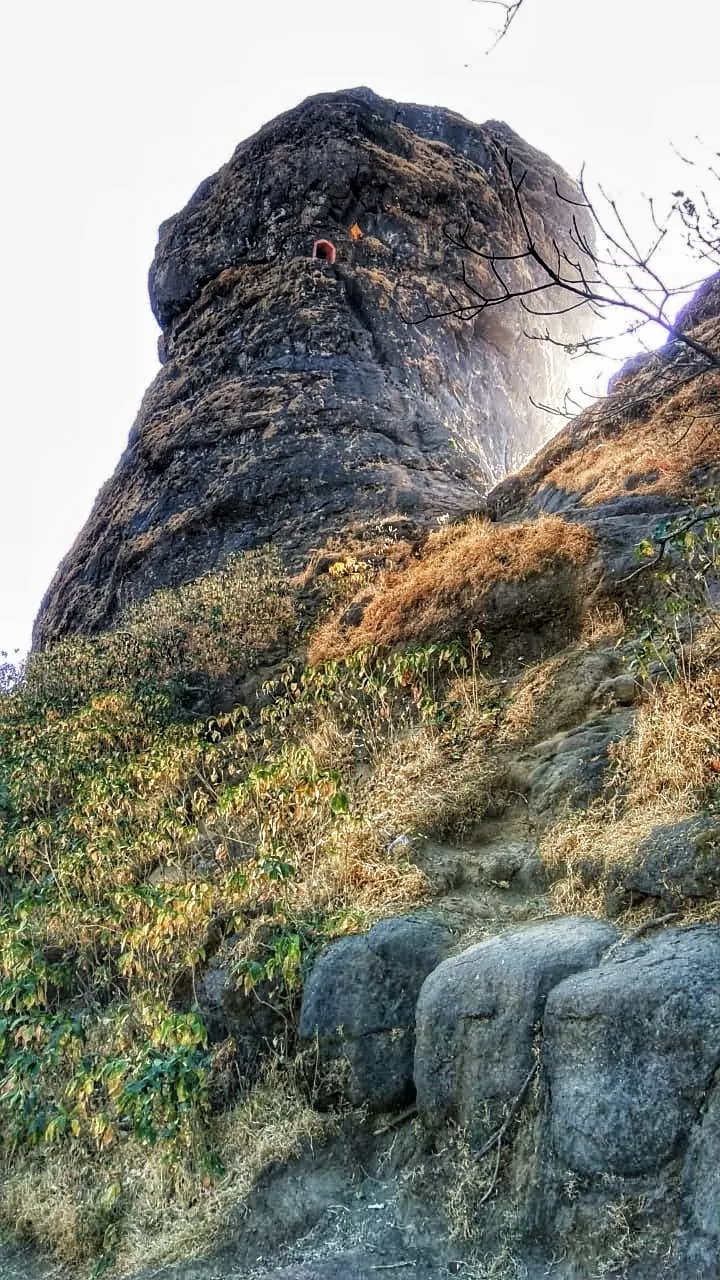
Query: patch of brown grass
[[661, 774], [580, 850], [603, 623], [657, 454], [672, 755], [431, 784], [136, 1206], [529, 695], [439, 594]]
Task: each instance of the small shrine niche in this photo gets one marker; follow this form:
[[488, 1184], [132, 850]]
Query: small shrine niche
[[324, 251]]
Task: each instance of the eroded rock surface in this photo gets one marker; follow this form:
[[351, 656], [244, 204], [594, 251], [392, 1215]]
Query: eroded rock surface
[[631, 1048], [359, 1001], [700, 1237], [571, 765], [678, 862], [477, 1014], [294, 397]]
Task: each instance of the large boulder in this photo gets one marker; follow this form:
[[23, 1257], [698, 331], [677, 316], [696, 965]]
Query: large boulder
[[359, 1001], [478, 1012], [630, 1049], [294, 398]]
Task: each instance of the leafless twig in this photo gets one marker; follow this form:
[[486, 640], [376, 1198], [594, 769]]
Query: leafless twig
[[512, 8], [657, 922], [396, 1121], [495, 1139], [559, 278], [394, 1266], [513, 1109]]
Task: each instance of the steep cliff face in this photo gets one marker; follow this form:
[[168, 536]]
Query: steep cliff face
[[294, 397]]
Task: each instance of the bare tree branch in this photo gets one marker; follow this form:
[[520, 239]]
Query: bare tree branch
[[679, 527], [511, 8], [565, 277], [569, 409]]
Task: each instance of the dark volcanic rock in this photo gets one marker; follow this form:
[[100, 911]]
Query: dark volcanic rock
[[294, 398], [676, 863], [572, 763], [631, 1048], [477, 1013], [700, 1237], [359, 1001]]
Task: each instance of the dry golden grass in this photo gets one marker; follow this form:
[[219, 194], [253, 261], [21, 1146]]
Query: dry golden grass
[[661, 451], [430, 784], [602, 623], [146, 1212], [364, 551], [583, 851], [672, 754], [661, 774], [579, 851], [439, 594], [530, 694]]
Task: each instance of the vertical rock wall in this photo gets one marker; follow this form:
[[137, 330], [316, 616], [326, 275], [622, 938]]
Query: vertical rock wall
[[296, 395]]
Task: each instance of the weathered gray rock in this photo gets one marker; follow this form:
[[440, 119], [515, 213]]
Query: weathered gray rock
[[294, 399], [700, 1235], [630, 1049], [359, 1001], [622, 690], [676, 862], [477, 1014], [255, 1019], [572, 764]]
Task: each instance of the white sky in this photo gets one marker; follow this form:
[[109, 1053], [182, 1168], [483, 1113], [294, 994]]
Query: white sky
[[113, 111]]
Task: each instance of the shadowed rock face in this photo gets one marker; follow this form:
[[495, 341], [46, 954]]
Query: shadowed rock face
[[294, 398]]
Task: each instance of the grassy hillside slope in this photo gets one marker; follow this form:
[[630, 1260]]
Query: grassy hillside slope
[[250, 766]]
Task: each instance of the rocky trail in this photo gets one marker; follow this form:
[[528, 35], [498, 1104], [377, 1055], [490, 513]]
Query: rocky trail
[[18, 1263], [487, 959], [596, 1137], [355, 1208]]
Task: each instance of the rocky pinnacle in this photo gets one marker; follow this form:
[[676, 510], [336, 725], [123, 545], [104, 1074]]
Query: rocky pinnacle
[[298, 395]]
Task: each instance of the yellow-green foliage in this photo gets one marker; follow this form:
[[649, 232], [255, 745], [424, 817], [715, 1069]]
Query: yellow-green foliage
[[219, 623], [136, 838]]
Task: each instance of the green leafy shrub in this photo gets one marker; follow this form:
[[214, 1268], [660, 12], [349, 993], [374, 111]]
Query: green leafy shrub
[[683, 554], [136, 841], [221, 622]]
